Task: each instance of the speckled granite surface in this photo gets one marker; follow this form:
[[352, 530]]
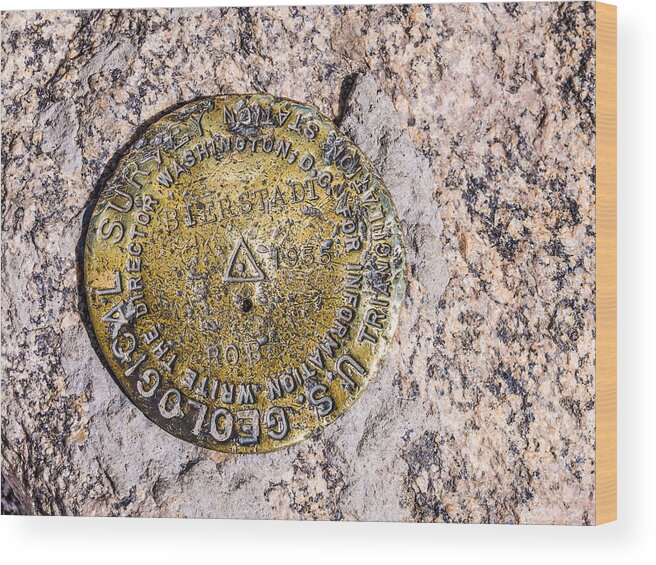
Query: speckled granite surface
[[481, 120]]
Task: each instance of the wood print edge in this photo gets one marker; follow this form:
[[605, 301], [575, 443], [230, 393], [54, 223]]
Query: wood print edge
[[606, 265]]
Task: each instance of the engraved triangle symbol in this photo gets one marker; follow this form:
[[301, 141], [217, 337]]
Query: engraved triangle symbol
[[241, 265]]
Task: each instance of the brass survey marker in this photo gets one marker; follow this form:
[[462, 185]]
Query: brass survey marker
[[244, 272]]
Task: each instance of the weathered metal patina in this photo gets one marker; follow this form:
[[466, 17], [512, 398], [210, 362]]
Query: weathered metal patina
[[244, 272]]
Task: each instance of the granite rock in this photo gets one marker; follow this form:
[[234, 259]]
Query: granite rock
[[480, 118]]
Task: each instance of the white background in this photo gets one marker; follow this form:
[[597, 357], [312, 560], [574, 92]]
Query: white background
[[631, 538]]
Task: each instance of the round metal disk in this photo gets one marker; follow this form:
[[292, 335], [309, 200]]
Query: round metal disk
[[244, 271]]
